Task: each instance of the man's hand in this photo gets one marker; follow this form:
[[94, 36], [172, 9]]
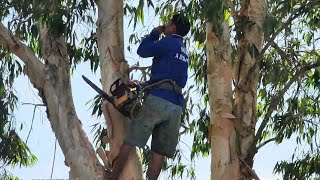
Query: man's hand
[[133, 83], [160, 29]]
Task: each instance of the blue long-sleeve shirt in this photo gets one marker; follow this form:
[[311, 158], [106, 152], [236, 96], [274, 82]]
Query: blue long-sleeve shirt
[[170, 61]]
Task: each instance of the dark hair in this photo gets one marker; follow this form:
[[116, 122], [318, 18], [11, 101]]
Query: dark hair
[[182, 24]]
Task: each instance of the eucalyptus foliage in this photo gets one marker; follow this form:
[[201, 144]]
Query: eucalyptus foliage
[[13, 150]]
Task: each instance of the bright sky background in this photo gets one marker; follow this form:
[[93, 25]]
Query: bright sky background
[[42, 140]]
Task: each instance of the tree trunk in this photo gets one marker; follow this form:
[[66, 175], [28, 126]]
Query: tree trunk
[[224, 163], [77, 149], [246, 75], [52, 79], [232, 138], [113, 66]]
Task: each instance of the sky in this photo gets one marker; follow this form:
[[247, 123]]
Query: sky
[[43, 143]]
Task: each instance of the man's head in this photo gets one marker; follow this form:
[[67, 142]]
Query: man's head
[[178, 24]]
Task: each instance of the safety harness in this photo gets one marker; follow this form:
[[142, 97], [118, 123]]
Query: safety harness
[[128, 100], [163, 84]]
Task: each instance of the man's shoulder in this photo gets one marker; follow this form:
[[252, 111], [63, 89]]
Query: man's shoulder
[[172, 42]]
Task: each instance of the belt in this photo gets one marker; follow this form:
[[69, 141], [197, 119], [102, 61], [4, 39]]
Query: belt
[[171, 85]]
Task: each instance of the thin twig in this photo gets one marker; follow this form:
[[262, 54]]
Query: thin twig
[[33, 115], [185, 129], [277, 48], [34, 112], [36, 105], [54, 157], [142, 69]]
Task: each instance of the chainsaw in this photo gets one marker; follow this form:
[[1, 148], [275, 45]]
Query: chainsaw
[[123, 98]]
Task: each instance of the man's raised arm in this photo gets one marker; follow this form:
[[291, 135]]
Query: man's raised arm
[[151, 46]]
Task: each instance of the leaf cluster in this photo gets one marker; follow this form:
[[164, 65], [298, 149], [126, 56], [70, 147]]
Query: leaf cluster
[[13, 150]]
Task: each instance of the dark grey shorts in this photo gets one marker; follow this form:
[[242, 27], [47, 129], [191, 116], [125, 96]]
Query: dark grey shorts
[[160, 118]]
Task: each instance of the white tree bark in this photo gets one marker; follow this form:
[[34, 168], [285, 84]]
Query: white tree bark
[[224, 163], [113, 66], [52, 79], [33, 66], [78, 151]]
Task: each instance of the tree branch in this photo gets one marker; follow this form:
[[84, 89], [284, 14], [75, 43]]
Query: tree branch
[[36, 105], [274, 102], [33, 66], [33, 115], [276, 99], [296, 13], [185, 129], [266, 142], [277, 48], [142, 69]]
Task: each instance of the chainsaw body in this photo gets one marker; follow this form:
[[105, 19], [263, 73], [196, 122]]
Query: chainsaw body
[[123, 97]]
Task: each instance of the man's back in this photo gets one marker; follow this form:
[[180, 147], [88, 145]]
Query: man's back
[[170, 62]]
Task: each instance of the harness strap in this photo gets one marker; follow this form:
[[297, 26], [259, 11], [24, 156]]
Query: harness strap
[[171, 85], [165, 84]]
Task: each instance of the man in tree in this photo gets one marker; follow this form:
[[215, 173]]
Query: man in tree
[[162, 108]]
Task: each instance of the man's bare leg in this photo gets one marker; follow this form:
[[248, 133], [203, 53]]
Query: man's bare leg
[[155, 166], [120, 161]]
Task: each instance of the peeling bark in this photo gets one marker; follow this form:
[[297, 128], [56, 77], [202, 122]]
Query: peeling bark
[[224, 163], [246, 75], [232, 135], [79, 153], [52, 79], [114, 66]]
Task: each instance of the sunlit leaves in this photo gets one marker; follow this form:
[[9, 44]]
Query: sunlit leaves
[[6, 175], [297, 113], [200, 133], [14, 151], [136, 12], [313, 79], [307, 167]]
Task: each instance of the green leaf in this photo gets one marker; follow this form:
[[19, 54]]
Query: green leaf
[[316, 78], [308, 38]]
